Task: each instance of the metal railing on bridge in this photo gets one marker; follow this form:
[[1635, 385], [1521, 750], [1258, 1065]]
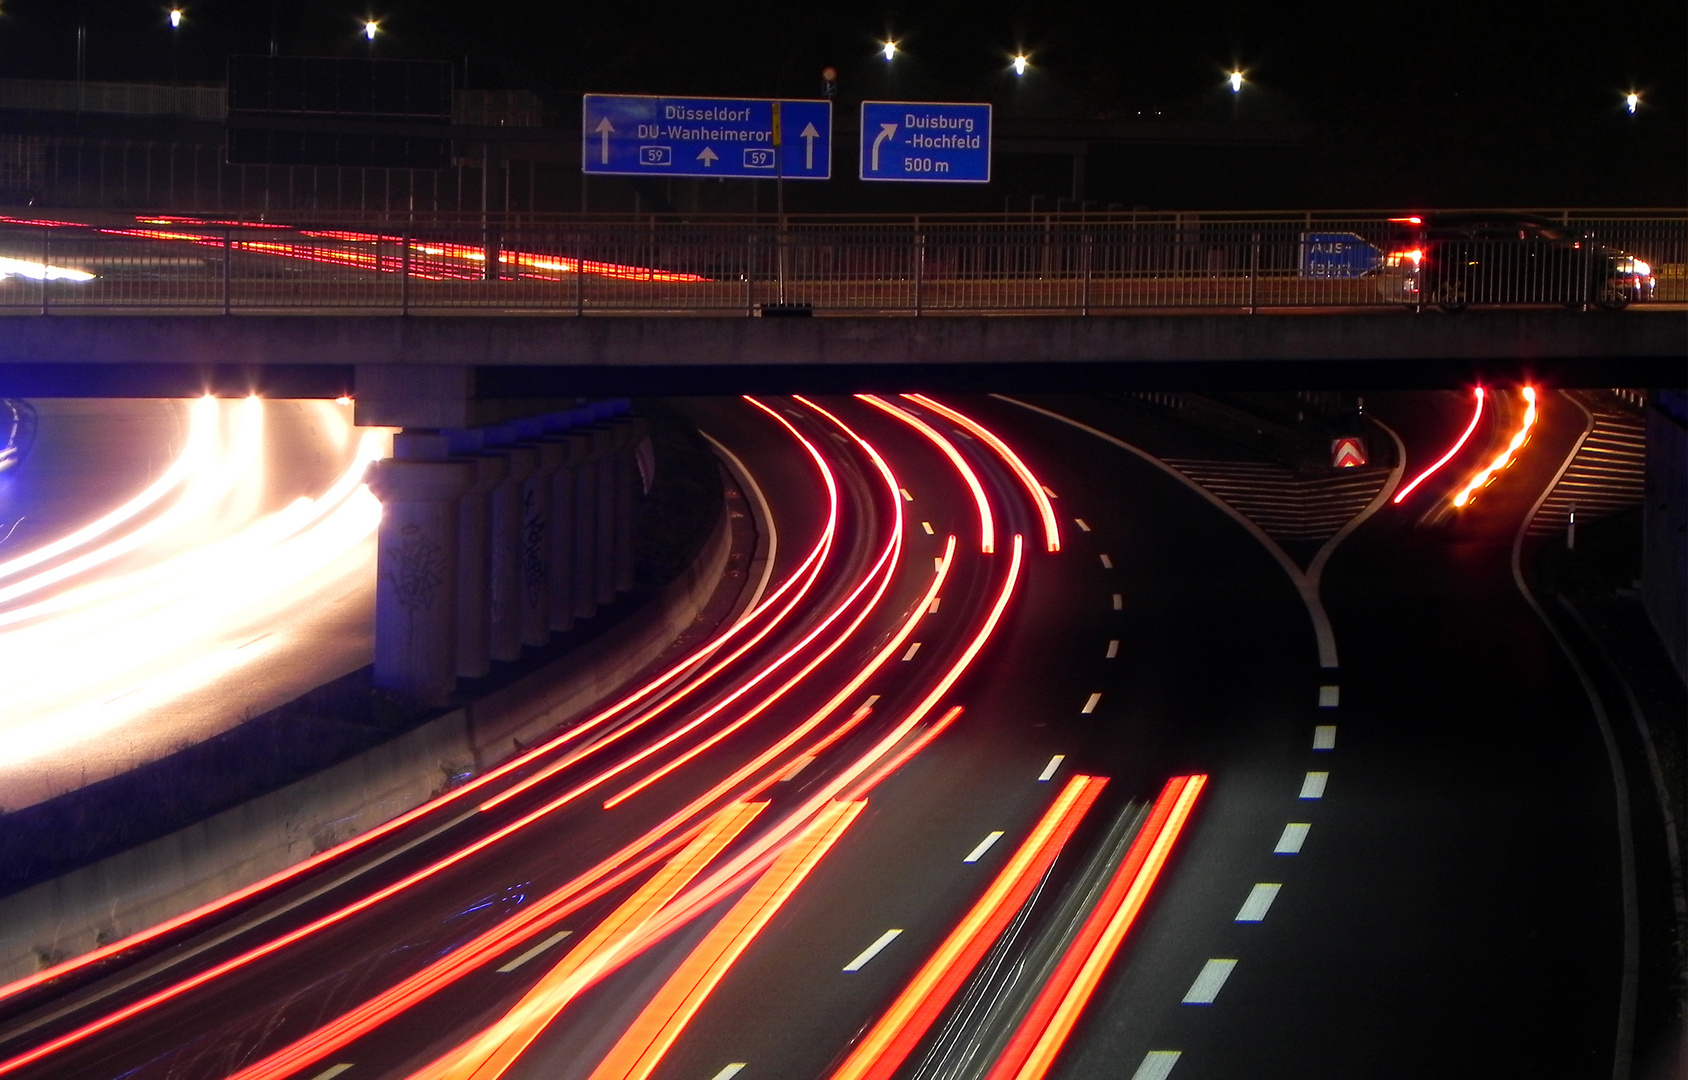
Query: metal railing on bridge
[[1084, 264]]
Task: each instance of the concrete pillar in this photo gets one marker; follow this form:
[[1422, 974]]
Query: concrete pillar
[[505, 543], [474, 554], [586, 523], [627, 494], [536, 532], [416, 567], [564, 530]]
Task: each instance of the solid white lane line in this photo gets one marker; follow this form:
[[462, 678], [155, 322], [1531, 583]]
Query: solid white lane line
[[730, 1071], [533, 952], [984, 845], [796, 767], [872, 950], [1081, 524], [1113, 648], [1295, 834], [912, 649], [1313, 785], [1324, 737], [1259, 902], [1107, 563], [933, 607], [1328, 696], [1091, 703], [1119, 602], [906, 496], [927, 525], [1049, 769], [1157, 1065], [332, 1071], [1208, 983]]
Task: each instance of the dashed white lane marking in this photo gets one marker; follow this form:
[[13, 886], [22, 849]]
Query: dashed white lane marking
[[984, 845], [1324, 737], [729, 1071], [1328, 696], [906, 496], [933, 606], [1157, 1065], [796, 767], [1313, 785], [1208, 983], [1107, 563], [1091, 702], [1047, 492], [871, 698], [1081, 524], [1119, 601], [1259, 902], [1113, 648], [332, 1071], [912, 649], [531, 953], [872, 950], [1295, 834], [927, 525], [1049, 769], [937, 562]]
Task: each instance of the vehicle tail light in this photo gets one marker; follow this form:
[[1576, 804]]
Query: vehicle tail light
[[1402, 258]]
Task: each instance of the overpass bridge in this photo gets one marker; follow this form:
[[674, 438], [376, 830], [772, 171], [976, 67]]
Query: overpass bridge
[[448, 321]]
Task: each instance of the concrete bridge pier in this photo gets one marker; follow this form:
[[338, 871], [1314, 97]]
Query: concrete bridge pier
[[495, 537], [505, 543], [474, 553], [416, 586]]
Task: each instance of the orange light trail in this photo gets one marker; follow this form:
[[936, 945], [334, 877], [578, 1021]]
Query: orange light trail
[[1034, 488], [491, 1052], [987, 529], [1504, 458], [883, 1050], [642, 1047], [1043, 1031], [1476, 415]]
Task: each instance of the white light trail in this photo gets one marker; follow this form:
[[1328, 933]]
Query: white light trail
[[137, 609]]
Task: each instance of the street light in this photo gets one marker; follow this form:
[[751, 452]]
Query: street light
[[175, 18], [1631, 100], [1236, 80], [889, 50], [1020, 62], [370, 26]]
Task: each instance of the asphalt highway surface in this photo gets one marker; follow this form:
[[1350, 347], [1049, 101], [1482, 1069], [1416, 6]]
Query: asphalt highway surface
[[1348, 812]]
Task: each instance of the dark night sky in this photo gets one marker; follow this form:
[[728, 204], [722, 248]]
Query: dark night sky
[[1455, 102]]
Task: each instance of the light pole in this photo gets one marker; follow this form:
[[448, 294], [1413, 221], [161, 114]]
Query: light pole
[[175, 40]]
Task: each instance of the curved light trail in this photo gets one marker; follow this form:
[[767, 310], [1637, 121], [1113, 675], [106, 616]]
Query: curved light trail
[[1034, 487], [987, 527], [1484, 475], [1476, 415]]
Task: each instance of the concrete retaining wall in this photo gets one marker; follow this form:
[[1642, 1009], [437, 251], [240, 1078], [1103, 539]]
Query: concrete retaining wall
[[1664, 524], [141, 887]]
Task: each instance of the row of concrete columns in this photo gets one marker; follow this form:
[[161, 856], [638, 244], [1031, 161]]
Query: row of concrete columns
[[494, 538]]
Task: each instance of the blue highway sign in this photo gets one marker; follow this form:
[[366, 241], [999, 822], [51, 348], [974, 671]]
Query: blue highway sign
[[926, 141], [755, 138], [1337, 255]]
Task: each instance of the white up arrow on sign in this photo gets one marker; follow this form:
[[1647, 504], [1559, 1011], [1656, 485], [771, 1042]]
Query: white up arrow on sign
[[707, 156], [885, 132], [603, 129], [809, 135]]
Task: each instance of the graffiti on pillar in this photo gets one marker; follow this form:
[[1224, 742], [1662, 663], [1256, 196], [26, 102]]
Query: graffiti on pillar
[[533, 547], [414, 568]]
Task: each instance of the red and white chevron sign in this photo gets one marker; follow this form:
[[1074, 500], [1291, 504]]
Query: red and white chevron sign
[[1348, 451]]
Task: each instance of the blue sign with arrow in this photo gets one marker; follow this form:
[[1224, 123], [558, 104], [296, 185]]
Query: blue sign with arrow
[[754, 138], [1337, 255], [926, 141]]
